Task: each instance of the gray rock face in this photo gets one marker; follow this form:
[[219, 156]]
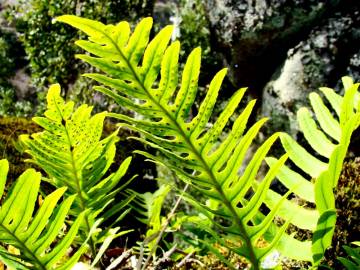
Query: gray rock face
[[331, 51], [282, 97], [283, 49], [254, 35]]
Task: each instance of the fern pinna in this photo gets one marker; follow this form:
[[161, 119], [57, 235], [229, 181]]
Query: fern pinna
[[70, 150], [196, 153], [35, 236], [187, 148], [329, 137]]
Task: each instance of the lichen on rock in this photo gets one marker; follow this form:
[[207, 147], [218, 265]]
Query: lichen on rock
[[320, 60]]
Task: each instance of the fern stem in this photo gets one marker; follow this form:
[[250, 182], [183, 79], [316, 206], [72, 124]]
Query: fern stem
[[181, 132], [167, 221], [25, 248], [82, 204], [78, 189]]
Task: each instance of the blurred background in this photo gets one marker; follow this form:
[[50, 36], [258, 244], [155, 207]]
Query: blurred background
[[280, 49]]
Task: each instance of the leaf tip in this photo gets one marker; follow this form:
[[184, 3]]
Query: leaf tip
[[302, 111], [283, 135], [148, 21], [224, 71], [62, 18]]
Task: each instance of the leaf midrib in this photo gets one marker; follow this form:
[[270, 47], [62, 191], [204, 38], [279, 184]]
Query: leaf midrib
[[23, 246], [77, 182], [195, 152]]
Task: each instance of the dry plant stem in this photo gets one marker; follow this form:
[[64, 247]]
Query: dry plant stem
[[124, 256], [166, 224], [165, 257], [183, 261], [168, 253]]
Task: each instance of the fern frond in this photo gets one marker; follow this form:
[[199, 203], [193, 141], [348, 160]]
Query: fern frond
[[70, 150], [329, 137], [33, 234], [353, 260], [148, 206], [132, 65]]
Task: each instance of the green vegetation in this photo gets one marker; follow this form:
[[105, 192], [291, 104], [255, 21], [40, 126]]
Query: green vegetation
[[49, 48], [70, 151], [238, 214], [29, 233], [354, 253]]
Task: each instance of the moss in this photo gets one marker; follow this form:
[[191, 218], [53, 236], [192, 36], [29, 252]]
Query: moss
[[10, 129], [347, 196]]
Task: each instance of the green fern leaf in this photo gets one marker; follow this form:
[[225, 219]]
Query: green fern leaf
[[323, 235], [353, 260], [196, 154], [70, 150], [33, 235], [329, 137], [149, 206]]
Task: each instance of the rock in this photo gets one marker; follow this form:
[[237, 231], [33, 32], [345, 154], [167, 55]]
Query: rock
[[330, 52], [282, 97], [254, 35], [21, 81], [163, 11]]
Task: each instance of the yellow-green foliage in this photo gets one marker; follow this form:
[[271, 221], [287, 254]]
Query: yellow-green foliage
[[143, 76], [329, 136], [347, 201], [39, 245], [73, 154]]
